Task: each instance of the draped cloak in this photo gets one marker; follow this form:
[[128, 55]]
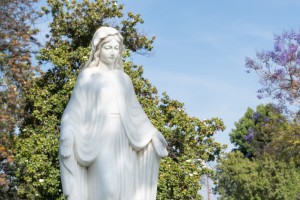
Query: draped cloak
[[84, 128]]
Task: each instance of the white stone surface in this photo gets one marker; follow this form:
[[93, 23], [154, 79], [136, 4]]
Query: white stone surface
[[109, 150]]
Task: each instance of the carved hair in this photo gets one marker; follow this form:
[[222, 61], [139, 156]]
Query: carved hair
[[102, 36]]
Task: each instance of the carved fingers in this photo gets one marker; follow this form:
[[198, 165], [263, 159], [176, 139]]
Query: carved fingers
[[160, 144], [66, 151], [66, 142], [162, 139]]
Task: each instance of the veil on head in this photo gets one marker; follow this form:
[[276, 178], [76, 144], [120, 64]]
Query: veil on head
[[98, 37]]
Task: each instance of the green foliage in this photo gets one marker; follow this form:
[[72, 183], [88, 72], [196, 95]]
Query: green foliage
[[285, 144], [256, 129], [37, 145], [190, 140], [271, 141], [16, 71], [266, 179], [238, 134], [38, 178]]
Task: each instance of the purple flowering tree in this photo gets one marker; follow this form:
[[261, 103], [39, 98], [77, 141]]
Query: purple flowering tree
[[279, 69], [257, 128]]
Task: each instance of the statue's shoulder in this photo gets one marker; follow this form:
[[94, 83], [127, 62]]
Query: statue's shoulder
[[86, 72], [124, 76], [85, 75]]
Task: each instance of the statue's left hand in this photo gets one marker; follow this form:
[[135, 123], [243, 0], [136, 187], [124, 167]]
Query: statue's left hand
[[160, 144]]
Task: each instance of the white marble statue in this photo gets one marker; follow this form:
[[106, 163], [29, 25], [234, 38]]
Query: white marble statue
[[109, 149]]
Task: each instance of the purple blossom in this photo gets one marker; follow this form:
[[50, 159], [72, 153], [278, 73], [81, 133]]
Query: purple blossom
[[278, 95], [298, 58], [268, 91], [292, 70], [292, 49], [279, 46], [248, 137], [292, 35], [249, 62], [263, 56], [260, 91], [277, 109], [270, 68], [248, 155], [283, 58], [289, 99], [298, 39], [279, 73], [266, 119], [256, 116], [283, 85], [271, 54]]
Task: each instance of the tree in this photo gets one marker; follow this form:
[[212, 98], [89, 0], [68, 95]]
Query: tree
[[265, 164], [279, 75], [16, 72], [278, 69], [256, 129], [266, 156], [190, 140], [285, 144], [266, 179]]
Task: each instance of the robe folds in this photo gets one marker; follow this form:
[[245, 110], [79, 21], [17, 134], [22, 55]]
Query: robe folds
[[104, 123]]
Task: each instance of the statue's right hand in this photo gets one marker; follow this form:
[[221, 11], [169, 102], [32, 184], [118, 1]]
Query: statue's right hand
[[66, 151], [66, 142]]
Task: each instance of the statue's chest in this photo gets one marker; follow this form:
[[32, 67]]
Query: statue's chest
[[107, 84]]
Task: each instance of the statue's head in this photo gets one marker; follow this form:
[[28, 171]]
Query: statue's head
[[103, 38]]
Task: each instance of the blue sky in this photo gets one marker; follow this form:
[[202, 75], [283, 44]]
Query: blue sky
[[200, 50]]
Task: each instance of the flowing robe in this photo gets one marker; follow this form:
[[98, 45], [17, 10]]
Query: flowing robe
[[86, 130]]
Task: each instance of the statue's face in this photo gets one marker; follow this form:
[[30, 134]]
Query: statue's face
[[110, 52]]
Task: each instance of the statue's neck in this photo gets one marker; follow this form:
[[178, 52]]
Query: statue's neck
[[106, 67]]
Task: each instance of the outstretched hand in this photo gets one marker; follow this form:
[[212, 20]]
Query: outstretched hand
[[160, 144]]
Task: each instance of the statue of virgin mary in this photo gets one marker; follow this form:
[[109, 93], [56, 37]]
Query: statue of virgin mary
[[109, 149]]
